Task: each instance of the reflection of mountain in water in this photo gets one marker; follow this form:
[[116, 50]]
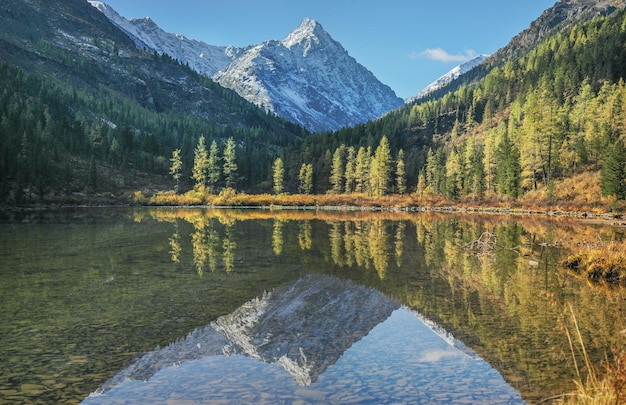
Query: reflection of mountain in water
[[304, 326], [445, 335]]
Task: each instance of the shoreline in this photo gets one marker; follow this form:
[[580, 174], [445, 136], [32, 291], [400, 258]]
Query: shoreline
[[607, 219]]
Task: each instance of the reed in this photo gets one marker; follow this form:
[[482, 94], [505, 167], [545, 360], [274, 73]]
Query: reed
[[594, 388]]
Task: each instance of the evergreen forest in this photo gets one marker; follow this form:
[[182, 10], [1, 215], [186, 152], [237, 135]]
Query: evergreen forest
[[524, 128], [557, 112]]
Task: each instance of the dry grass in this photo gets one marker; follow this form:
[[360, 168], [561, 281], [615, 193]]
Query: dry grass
[[228, 197], [579, 193], [600, 262], [608, 388]]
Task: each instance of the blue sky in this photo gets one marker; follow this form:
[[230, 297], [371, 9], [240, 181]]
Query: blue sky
[[407, 44]]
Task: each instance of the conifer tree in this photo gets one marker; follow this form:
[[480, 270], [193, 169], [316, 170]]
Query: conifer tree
[[230, 165], [362, 170], [400, 173], [176, 167], [337, 170], [306, 178], [380, 173], [613, 174], [350, 171], [421, 183], [278, 176], [508, 173], [454, 176], [213, 167], [200, 165]]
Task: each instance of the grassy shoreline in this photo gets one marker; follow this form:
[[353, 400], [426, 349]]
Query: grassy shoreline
[[405, 202]]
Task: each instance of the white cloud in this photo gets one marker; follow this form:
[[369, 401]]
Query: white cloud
[[441, 55], [437, 355]]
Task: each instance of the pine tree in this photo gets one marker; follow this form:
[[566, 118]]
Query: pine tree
[[230, 165], [279, 174], [362, 170], [380, 173], [508, 172], [613, 174], [175, 168], [454, 178], [306, 178], [400, 173], [213, 167], [350, 172], [337, 170], [421, 184], [200, 165]]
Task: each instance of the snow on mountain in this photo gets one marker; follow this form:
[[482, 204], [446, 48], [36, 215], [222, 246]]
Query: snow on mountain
[[201, 57], [310, 79], [307, 78], [449, 77]]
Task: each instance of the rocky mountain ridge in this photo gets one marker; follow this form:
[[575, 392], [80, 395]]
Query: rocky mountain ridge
[[203, 58], [307, 78], [452, 75]]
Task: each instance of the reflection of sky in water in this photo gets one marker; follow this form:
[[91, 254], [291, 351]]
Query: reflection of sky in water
[[399, 361]]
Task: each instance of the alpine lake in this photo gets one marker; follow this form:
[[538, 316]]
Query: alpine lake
[[267, 306]]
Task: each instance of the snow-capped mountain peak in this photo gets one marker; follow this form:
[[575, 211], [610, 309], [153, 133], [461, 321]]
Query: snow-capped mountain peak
[[307, 78], [309, 35], [453, 74], [310, 79]]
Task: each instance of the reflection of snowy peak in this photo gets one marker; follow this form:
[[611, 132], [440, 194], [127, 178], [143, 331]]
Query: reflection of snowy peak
[[203, 58], [307, 78], [449, 77], [444, 335], [291, 325], [304, 326]]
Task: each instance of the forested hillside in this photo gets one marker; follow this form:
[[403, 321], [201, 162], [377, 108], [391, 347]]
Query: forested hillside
[[557, 112], [83, 112]]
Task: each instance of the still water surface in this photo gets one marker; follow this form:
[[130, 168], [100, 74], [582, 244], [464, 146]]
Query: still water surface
[[125, 306]]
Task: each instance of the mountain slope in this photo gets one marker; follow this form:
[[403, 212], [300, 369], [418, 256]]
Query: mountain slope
[[307, 78], [95, 103], [310, 79], [559, 18], [203, 58], [516, 132], [444, 80], [562, 16]]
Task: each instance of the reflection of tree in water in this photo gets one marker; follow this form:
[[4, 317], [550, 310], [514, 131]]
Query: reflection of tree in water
[[349, 242], [277, 236], [336, 243], [212, 243], [229, 246], [206, 243], [305, 232], [379, 242], [175, 246], [399, 242], [199, 245], [363, 243]]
